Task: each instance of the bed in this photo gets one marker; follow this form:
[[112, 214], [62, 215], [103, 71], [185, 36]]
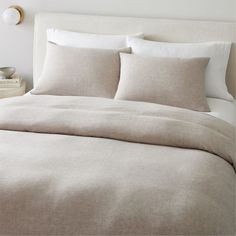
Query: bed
[[79, 165]]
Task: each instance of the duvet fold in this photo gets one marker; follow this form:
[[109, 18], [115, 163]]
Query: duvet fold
[[120, 120]]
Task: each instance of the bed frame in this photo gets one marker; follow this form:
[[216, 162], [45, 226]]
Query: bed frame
[[154, 29]]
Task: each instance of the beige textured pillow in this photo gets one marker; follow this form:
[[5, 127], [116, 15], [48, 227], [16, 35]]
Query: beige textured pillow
[[80, 72], [168, 81]]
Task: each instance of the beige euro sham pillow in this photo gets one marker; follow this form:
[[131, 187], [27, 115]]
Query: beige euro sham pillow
[[72, 71], [168, 81]]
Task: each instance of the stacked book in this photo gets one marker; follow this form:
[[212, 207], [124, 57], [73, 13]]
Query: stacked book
[[13, 82]]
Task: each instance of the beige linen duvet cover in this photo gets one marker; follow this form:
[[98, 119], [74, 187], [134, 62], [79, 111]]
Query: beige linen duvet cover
[[94, 166]]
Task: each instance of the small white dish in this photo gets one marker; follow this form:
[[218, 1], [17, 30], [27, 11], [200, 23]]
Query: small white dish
[[7, 72]]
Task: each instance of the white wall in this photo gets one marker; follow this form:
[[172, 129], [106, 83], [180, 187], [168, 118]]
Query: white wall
[[16, 41]]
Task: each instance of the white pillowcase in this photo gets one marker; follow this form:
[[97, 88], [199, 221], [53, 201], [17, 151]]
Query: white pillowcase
[[218, 52], [86, 40]]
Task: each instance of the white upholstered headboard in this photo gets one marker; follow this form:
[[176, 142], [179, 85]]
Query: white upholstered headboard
[[154, 29]]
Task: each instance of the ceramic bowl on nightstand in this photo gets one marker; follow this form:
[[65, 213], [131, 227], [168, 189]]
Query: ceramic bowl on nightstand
[[7, 72], [2, 75]]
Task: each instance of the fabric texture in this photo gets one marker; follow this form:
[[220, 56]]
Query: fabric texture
[[169, 81], [80, 72], [96, 166], [218, 52], [87, 40]]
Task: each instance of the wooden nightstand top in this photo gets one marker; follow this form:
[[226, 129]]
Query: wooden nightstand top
[[12, 92]]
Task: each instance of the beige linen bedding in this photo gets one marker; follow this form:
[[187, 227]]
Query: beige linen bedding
[[70, 71], [95, 166], [169, 81]]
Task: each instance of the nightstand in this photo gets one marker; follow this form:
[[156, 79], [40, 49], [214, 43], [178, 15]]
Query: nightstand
[[12, 92]]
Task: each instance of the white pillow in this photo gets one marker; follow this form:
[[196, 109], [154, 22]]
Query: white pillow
[[218, 52], [86, 40]]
